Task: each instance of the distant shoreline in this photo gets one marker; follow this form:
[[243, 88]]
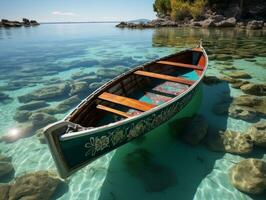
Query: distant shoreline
[[5, 23]]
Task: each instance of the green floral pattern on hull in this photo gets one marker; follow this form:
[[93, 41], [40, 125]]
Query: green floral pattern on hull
[[89, 147]]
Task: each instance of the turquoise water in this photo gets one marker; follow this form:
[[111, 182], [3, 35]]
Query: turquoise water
[[37, 57]]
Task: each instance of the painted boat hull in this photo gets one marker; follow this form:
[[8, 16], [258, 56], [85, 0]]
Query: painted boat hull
[[72, 154], [73, 150]]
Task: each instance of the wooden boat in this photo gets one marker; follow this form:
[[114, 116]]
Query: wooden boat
[[132, 104]]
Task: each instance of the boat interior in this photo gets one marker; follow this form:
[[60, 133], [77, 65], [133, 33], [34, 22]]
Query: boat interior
[[141, 89]]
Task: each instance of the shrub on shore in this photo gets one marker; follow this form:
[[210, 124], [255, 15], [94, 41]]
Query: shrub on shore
[[179, 9], [182, 9]]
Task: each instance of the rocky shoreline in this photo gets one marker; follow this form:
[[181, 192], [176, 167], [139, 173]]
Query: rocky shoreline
[[210, 19], [25, 22]]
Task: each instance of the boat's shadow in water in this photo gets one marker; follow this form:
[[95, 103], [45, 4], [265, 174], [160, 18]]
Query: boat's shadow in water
[[160, 166], [157, 166]]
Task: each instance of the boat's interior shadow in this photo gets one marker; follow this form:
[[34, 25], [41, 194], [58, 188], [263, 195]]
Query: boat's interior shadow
[[160, 166]]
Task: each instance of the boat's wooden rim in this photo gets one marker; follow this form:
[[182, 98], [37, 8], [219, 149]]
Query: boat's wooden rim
[[97, 92]]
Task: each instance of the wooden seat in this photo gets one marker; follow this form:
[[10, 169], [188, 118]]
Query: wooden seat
[[164, 77], [177, 64], [125, 101], [114, 111]]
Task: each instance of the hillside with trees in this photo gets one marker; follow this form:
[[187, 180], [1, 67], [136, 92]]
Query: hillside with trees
[[182, 9], [206, 13]]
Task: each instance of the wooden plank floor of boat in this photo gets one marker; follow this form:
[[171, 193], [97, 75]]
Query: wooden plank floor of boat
[[164, 77], [125, 101]]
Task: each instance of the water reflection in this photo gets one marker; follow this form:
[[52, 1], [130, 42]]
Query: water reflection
[[240, 43]]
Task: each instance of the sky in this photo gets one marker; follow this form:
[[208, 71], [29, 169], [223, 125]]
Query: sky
[[76, 10]]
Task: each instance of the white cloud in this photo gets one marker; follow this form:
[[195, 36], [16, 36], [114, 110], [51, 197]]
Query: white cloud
[[58, 13]]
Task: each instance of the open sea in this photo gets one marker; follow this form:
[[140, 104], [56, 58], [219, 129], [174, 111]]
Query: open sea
[[52, 54]]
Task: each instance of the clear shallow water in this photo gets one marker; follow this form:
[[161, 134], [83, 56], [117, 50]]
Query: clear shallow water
[[31, 57]]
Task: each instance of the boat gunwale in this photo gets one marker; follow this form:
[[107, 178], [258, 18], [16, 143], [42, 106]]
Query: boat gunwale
[[93, 130]]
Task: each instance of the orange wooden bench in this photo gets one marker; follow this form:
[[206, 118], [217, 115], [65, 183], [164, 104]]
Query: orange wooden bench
[[164, 77], [177, 64]]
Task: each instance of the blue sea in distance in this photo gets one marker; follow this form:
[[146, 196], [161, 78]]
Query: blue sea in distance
[[37, 57]]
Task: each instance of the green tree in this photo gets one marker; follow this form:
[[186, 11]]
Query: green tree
[[162, 7], [179, 9]]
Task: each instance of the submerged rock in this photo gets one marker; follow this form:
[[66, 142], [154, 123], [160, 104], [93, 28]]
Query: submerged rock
[[5, 159], [80, 74], [33, 105], [228, 79], [223, 57], [22, 116], [19, 83], [195, 131], [39, 120], [68, 104], [211, 80], [251, 103], [230, 141], [239, 74], [4, 191], [238, 84], [234, 111], [229, 67], [38, 185], [249, 176], [214, 141], [245, 107], [239, 112], [96, 85], [40, 136], [63, 107], [54, 80], [88, 79], [254, 89], [108, 73], [4, 98], [50, 92], [155, 177], [78, 87], [6, 167], [257, 133]]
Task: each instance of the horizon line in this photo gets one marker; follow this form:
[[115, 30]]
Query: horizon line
[[79, 22]]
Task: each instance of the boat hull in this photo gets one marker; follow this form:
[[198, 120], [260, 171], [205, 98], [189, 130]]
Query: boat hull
[[70, 154]]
